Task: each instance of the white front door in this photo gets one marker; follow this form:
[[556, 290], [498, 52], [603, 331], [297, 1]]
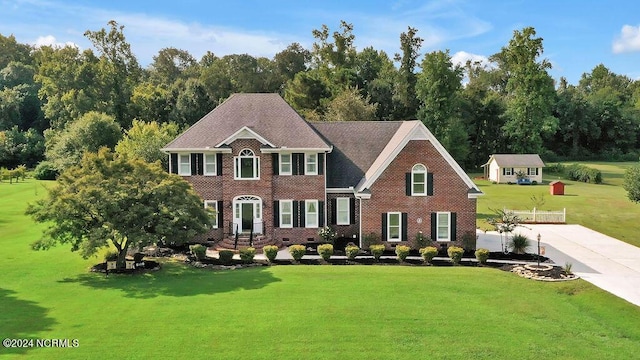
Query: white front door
[[247, 213]]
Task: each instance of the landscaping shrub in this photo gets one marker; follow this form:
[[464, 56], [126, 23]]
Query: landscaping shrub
[[111, 255], [482, 255], [519, 244], [297, 251], [371, 239], [420, 241], [428, 253], [137, 257], [270, 251], [327, 234], [198, 250], [325, 251], [376, 250], [402, 251], [45, 170], [226, 256], [247, 254], [455, 253], [469, 240], [579, 172], [351, 251], [555, 168]]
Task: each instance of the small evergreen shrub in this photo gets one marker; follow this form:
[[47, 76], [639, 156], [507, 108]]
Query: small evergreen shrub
[[482, 255], [325, 251], [45, 170], [371, 239], [469, 240], [519, 244], [428, 253], [376, 250], [198, 250], [455, 253], [270, 251], [351, 251], [402, 251], [420, 241], [226, 256], [247, 254], [297, 251]]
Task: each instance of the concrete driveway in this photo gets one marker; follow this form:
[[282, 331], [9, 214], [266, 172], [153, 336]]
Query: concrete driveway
[[606, 262]]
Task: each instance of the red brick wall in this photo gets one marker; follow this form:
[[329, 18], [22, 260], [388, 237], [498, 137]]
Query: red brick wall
[[449, 194], [344, 230]]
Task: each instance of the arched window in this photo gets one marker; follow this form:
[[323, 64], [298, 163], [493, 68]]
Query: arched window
[[247, 165], [419, 180]]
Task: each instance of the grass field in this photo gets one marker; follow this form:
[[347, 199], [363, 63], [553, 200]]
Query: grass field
[[601, 207], [294, 312]]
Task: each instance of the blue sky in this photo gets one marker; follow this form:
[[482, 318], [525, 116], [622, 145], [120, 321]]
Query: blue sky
[[578, 35]]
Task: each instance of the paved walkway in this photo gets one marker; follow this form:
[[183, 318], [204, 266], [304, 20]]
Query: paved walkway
[[606, 262]]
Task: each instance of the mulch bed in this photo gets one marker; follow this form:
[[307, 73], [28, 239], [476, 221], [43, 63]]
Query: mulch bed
[[149, 265]]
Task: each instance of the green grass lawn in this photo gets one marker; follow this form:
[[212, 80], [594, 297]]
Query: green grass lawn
[[601, 207], [294, 312]]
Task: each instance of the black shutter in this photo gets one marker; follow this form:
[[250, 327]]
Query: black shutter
[[384, 226], [504, 171], [295, 162], [174, 163], [302, 209], [320, 163], [301, 164], [434, 232], [219, 164], [200, 164], [294, 215], [429, 183], [334, 211], [275, 159], [407, 181], [194, 165], [352, 211], [404, 226], [276, 214], [219, 215], [320, 213], [453, 227]]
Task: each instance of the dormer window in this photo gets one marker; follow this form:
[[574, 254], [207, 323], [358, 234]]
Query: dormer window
[[247, 165]]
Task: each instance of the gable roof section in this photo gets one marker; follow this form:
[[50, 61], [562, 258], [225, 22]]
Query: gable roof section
[[356, 145], [516, 160], [265, 117]]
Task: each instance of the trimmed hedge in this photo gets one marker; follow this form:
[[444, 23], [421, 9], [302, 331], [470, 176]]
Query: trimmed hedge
[[199, 251], [270, 251], [297, 251], [247, 254], [325, 250], [402, 251], [482, 255], [455, 253], [377, 251], [351, 251], [226, 256], [428, 253]]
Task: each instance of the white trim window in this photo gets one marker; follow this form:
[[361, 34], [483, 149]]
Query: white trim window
[[286, 213], [285, 164], [443, 226], [419, 180], [532, 171], [311, 164], [394, 226], [212, 204], [247, 166], [210, 165], [507, 171], [184, 164], [311, 213], [342, 211]]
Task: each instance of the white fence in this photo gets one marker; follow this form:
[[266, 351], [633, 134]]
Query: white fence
[[539, 216]]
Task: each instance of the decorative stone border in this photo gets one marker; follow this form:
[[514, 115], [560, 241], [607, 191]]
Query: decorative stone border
[[534, 272]]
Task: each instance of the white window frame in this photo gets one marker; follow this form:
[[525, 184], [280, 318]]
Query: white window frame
[[343, 209], [180, 163], [290, 163], [389, 238], [244, 154], [212, 204], [290, 213], [532, 173], [508, 171], [214, 163], [448, 231], [307, 157], [414, 171], [309, 215]]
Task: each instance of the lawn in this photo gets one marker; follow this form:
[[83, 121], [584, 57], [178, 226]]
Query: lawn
[[293, 312], [601, 207]]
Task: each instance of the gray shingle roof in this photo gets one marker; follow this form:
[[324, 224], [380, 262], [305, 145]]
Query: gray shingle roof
[[268, 115], [356, 145], [517, 160]]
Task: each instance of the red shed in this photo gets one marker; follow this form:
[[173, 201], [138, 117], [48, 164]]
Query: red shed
[[556, 187]]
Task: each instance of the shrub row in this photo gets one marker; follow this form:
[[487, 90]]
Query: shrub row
[[579, 172]]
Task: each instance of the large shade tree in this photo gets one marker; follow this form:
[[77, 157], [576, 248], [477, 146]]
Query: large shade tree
[[113, 200]]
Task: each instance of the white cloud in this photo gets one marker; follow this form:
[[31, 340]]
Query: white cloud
[[628, 40], [50, 40], [461, 58]]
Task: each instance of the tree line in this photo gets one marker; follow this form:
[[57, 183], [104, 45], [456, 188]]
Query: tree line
[[58, 102]]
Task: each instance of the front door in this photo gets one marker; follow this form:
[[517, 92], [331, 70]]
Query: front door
[[247, 214]]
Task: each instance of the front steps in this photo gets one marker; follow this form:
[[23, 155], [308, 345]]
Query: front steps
[[259, 241]]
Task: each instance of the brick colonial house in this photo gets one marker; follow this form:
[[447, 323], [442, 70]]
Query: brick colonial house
[[268, 172]]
